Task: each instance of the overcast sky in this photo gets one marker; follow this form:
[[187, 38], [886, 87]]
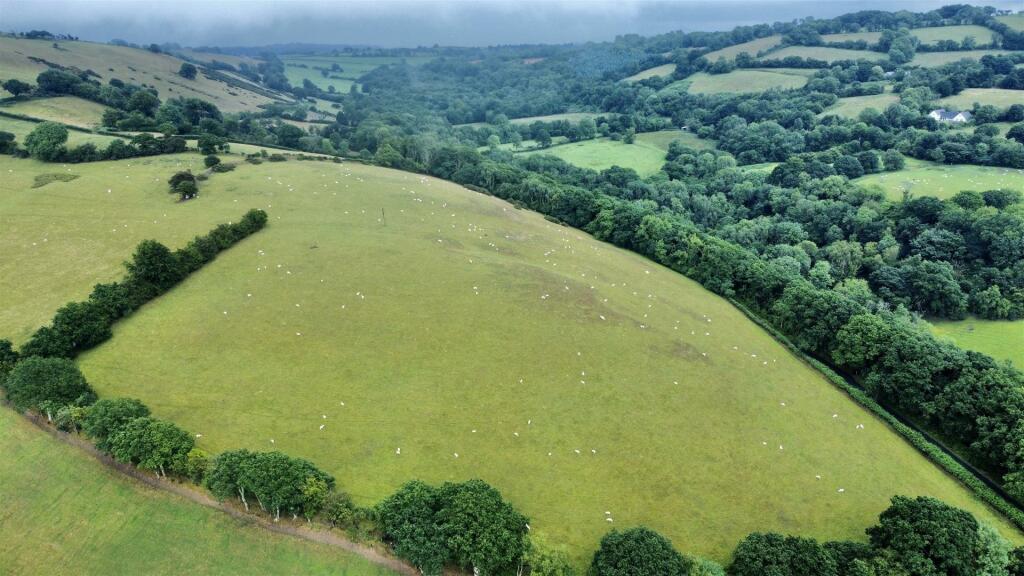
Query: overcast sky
[[410, 22]]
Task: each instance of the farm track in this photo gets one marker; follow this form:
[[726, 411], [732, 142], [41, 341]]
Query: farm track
[[194, 495]]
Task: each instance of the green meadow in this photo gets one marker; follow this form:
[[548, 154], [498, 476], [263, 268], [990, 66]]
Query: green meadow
[[931, 59], [934, 34], [22, 128], [743, 81], [752, 48], [922, 178], [65, 109], [852, 107], [999, 97], [1000, 339], [646, 155], [1015, 21], [88, 519], [299, 67], [825, 53], [403, 312], [661, 71]]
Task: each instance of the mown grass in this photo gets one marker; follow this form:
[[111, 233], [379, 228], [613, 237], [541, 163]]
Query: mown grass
[[932, 59], [752, 48], [132, 65], [447, 322], [64, 109], [65, 513], [1000, 339], [825, 53], [743, 81], [922, 178], [999, 97], [663, 70], [852, 107]]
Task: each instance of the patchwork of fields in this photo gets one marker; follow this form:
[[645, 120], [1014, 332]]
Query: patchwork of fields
[[381, 305], [300, 67]]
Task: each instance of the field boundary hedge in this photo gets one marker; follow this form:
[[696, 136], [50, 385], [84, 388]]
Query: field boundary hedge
[[968, 475]]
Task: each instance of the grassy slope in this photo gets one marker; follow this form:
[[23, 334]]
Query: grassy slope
[[1015, 21], [994, 96], [1003, 340], [869, 37], [128, 64], [852, 107], [930, 59], [570, 116], [825, 53], [943, 180], [957, 33], [424, 360], [752, 48], [22, 128], [752, 80], [663, 70], [646, 155], [352, 68], [87, 519], [65, 109]]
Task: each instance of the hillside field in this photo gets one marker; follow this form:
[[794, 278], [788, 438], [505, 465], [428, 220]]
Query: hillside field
[[956, 33], [646, 155], [128, 64], [663, 70], [405, 312], [752, 48], [943, 180], [88, 519], [22, 128], [747, 80], [825, 53], [852, 107], [869, 37], [995, 96], [932, 59], [1000, 339], [352, 68], [64, 109], [1015, 21]]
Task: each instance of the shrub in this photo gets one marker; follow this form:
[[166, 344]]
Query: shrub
[[220, 168], [637, 552], [107, 416], [211, 161]]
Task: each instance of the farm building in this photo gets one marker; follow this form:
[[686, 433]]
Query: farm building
[[943, 115]]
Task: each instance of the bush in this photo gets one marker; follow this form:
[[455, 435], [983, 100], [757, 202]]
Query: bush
[[107, 416], [187, 190], [637, 552], [211, 161], [220, 168], [277, 158]]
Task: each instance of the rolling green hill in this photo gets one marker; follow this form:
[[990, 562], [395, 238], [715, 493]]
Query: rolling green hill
[[743, 81], [922, 178], [646, 155], [405, 312]]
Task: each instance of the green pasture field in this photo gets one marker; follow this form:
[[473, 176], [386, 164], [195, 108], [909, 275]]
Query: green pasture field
[[663, 70], [399, 311], [825, 53], [64, 109], [208, 57], [22, 128], [922, 178], [852, 107], [957, 33], [646, 155], [1000, 339], [747, 80], [352, 68], [932, 59], [869, 37], [999, 97], [65, 513], [573, 117], [128, 64], [1015, 21], [752, 48]]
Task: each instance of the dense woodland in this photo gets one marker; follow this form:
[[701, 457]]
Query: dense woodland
[[841, 271]]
